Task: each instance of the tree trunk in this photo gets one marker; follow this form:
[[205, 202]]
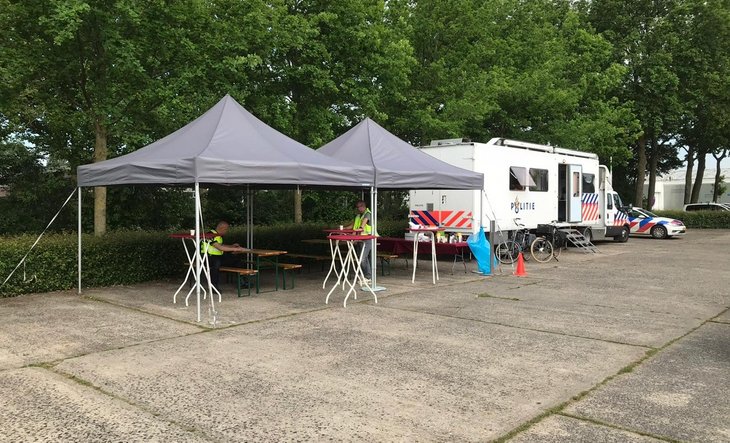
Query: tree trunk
[[718, 175], [653, 160], [640, 170], [298, 206], [100, 154], [688, 175], [716, 185], [698, 176]]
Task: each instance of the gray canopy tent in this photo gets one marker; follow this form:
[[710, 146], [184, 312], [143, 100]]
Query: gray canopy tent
[[395, 164], [227, 145]]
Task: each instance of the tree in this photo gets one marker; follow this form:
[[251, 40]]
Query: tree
[[34, 191], [334, 64], [705, 77], [91, 80], [532, 71], [645, 37]]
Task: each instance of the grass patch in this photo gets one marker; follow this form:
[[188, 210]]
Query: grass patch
[[630, 368], [528, 424], [42, 365], [485, 295]]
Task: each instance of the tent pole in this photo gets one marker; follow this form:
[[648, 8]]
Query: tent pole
[[249, 211], [78, 190], [248, 215], [481, 210], [374, 248], [249, 222], [197, 246], [374, 223]]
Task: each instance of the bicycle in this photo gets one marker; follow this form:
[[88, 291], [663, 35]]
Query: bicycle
[[548, 245], [508, 251]]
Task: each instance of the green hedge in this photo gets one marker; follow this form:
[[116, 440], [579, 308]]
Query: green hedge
[[114, 259], [127, 257], [700, 219]]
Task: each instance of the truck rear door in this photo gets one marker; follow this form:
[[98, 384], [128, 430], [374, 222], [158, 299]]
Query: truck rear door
[[573, 181]]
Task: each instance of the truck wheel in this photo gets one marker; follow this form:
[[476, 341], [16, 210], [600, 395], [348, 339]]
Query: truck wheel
[[623, 237], [659, 231], [588, 234]]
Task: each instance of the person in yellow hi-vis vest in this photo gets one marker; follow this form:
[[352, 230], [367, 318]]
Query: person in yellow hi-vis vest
[[362, 221], [215, 249]]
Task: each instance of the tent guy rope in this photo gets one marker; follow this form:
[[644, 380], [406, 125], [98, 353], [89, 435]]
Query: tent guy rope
[[22, 261]]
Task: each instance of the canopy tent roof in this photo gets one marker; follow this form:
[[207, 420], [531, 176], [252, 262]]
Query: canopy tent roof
[[395, 164], [227, 145]]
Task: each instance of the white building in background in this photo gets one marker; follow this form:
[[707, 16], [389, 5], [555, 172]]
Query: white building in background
[[669, 191]]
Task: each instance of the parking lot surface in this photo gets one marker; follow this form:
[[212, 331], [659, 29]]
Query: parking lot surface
[[626, 345]]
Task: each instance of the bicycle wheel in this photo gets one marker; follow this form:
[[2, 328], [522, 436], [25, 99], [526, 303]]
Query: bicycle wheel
[[557, 249], [506, 252], [542, 250], [559, 243], [525, 244], [525, 251]]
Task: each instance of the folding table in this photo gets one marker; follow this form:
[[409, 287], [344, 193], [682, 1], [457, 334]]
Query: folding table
[[335, 250], [351, 261]]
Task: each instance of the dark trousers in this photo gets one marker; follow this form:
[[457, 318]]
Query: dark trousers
[[365, 263], [216, 261]]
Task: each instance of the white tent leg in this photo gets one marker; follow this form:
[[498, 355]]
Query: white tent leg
[[374, 249], [249, 217], [78, 190], [197, 247], [374, 223]]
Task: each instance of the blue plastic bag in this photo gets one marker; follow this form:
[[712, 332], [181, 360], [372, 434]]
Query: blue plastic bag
[[482, 251]]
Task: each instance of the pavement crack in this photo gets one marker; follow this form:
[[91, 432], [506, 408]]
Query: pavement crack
[[88, 384], [578, 397], [617, 427], [140, 310], [545, 331]]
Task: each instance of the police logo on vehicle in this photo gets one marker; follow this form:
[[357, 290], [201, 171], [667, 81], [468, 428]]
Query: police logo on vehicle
[[518, 206]]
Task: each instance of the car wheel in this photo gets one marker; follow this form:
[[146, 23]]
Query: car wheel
[[659, 231], [623, 237]]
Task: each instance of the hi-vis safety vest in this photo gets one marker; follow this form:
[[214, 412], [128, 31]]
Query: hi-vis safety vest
[[366, 229], [206, 247]]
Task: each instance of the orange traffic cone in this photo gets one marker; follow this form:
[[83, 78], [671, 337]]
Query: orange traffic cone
[[520, 272]]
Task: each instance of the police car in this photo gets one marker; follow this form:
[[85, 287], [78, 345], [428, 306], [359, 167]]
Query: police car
[[643, 222]]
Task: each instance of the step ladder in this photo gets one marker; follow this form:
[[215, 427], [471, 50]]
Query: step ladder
[[575, 237]]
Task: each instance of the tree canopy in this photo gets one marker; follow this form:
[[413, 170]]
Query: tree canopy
[[81, 81]]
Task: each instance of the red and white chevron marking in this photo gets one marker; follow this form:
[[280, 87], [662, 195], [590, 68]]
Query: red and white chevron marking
[[589, 207]]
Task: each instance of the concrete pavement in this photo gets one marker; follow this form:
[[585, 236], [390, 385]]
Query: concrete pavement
[[630, 344]]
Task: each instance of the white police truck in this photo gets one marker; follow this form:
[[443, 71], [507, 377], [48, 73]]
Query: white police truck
[[524, 184]]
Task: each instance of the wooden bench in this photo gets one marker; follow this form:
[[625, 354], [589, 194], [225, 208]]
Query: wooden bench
[[322, 259], [240, 273], [288, 267], [385, 258]]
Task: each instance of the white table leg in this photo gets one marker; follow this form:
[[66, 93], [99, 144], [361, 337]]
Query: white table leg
[[434, 261], [191, 268], [415, 256], [343, 272], [334, 246], [205, 268], [357, 259]]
